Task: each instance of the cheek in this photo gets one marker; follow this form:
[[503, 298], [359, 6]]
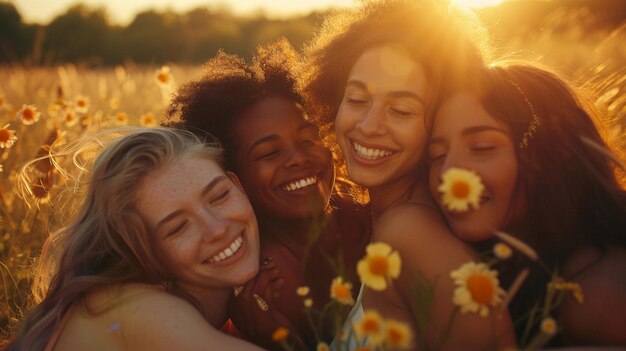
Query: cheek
[[255, 177], [343, 121], [433, 181], [170, 254]]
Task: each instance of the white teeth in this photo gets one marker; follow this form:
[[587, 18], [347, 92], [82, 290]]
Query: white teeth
[[299, 184], [229, 251], [370, 154]]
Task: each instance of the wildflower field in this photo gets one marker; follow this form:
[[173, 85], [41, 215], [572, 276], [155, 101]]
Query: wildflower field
[[41, 106]]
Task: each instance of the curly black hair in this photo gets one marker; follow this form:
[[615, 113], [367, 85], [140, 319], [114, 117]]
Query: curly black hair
[[229, 86]]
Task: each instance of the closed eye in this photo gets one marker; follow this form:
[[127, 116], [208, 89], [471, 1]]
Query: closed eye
[[268, 155], [401, 113], [179, 228], [220, 196], [355, 101]]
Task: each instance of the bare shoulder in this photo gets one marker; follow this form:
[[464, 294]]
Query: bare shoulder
[[601, 318], [149, 318], [416, 228]]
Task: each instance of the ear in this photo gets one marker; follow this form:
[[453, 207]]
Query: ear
[[235, 180]]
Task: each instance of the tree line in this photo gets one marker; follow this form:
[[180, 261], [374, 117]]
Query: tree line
[[84, 34]]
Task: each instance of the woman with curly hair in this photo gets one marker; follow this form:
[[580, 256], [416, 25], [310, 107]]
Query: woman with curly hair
[[311, 228], [374, 75], [149, 262]]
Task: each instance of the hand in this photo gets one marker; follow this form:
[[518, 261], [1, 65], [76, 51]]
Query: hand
[[252, 309]]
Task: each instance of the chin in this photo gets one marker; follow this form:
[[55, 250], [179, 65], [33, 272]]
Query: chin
[[245, 277]]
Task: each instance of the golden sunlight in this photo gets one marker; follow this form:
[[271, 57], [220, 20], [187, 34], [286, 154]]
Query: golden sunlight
[[478, 3]]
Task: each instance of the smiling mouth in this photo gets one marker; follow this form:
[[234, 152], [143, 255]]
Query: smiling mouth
[[370, 153], [229, 251], [300, 183]]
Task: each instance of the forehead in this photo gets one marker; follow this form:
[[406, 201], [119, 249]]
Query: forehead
[[389, 67], [463, 110], [177, 180], [267, 116]]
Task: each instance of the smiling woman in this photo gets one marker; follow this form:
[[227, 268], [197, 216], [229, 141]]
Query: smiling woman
[[149, 263], [311, 232]]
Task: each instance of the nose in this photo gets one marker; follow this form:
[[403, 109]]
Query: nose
[[296, 157], [450, 160], [372, 122], [215, 226]]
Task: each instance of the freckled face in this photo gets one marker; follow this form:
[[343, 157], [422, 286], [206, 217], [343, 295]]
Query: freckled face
[[283, 165], [380, 123], [201, 222], [466, 136]]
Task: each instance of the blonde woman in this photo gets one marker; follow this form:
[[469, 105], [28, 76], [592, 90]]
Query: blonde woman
[[149, 262]]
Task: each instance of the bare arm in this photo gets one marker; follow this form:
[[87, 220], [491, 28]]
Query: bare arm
[[160, 321], [430, 251]]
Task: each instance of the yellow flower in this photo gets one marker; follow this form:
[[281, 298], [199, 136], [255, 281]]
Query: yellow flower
[[164, 77], [341, 291], [147, 120], [121, 119], [81, 104], [322, 346], [303, 291], [280, 334], [70, 118], [460, 189], [29, 114], [308, 303], [502, 251], [548, 326], [398, 335], [478, 288], [7, 137], [371, 326], [380, 265], [517, 244]]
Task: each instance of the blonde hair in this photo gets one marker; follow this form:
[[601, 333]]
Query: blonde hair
[[107, 242]]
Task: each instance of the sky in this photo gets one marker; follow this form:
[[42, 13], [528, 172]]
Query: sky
[[123, 11]]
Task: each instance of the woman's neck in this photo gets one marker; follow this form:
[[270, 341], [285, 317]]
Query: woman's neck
[[411, 186]]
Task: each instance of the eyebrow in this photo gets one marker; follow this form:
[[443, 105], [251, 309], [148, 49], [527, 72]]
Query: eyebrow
[[265, 139], [471, 130], [274, 137], [205, 191], [395, 94]]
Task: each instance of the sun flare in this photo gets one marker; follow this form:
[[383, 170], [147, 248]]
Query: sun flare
[[478, 3]]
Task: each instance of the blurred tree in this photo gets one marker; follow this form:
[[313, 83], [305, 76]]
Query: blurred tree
[[84, 34], [78, 34], [155, 37], [16, 39], [210, 31]]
